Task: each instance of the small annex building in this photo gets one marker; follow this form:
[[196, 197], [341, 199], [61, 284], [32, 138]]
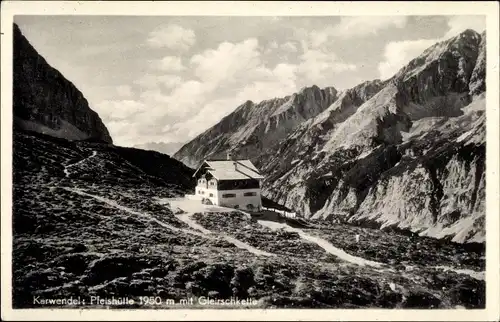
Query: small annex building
[[229, 183]]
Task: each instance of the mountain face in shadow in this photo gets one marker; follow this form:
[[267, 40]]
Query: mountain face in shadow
[[46, 102]]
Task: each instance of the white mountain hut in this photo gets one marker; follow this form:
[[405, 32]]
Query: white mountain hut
[[229, 183]]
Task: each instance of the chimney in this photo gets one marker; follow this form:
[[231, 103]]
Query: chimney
[[229, 156]]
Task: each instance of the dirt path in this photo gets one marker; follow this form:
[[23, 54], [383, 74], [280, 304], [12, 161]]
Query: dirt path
[[238, 243], [327, 246], [474, 274], [67, 167], [191, 207], [199, 230], [186, 218], [131, 211]]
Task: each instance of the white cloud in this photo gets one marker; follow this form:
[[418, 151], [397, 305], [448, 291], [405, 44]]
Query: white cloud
[[318, 38], [126, 133], [154, 97], [317, 64], [187, 98], [367, 25], [284, 51], [223, 77], [289, 46], [169, 64], [124, 91], [228, 62], [457, 24], [399, 53], [113, 92], [154, 81], [179, 103], [169, 81], [350, 27], [280, 81], [173, 37], [119, 109], [207, 116], [123, 132], [228, 75]]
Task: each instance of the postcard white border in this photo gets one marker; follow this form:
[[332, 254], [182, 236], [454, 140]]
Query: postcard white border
[[249, 8]]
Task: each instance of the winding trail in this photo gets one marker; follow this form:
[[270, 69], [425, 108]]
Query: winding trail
[[238, 243], [131, 211], [474, 274], [327, 246], [66, 168], [193, 207], [186, 218], [198, 230]]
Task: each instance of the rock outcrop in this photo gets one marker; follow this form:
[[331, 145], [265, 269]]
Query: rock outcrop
[[477, 83], [46, 102], [406, 153], [411, 156], [252, 128]]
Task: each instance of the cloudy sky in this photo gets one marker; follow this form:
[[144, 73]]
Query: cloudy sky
[[167, 79]]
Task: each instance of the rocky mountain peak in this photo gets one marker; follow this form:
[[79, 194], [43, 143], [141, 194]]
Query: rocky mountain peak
[[46, 102], [248, 103], [252, 127], [420, 132], [315, 92], [457, 54], [308, 89]]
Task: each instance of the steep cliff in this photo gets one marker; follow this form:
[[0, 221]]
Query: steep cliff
[[478, 79], [253, 128], [46, 102], [411, 156]]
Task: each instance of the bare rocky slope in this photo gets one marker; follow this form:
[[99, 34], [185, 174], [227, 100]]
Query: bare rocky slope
[[46, 102], [252, 128], [407, 153]]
